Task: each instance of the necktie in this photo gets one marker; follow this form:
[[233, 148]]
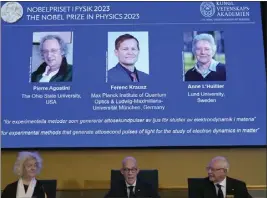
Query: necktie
[[220, 192], [134, 77], [131, 194]]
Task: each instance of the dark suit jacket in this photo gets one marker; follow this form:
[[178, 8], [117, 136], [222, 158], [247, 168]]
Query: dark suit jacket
[[234, 187], [118, 74], [142, 190], [10, 190]]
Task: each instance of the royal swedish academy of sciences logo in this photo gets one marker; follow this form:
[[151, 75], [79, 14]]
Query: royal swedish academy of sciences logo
[[207, 9]]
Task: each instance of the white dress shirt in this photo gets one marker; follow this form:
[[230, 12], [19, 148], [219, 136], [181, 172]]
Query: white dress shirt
[[47, 77], [212, 67], [223, 187], [128, 190]]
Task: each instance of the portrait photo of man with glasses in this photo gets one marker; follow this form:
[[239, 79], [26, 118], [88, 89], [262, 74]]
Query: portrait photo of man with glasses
[[53, 50]]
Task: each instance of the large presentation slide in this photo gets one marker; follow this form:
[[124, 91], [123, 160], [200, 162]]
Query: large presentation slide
[[132, 74]]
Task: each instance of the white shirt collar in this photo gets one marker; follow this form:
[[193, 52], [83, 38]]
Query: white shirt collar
[[223, 186], [47, 77], [130, 68], [134, 184], [212, 67], [51, 73], [128, 190], [222, 183]]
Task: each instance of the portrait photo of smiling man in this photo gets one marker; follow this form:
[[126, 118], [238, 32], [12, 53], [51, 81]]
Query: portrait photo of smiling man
[[204, 57], [50, 58], [130, 63]]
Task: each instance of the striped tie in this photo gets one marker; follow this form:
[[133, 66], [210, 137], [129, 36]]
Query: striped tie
[[134, 77]]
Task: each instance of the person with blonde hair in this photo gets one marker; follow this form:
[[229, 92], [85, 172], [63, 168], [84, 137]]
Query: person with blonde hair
[[27, 166]]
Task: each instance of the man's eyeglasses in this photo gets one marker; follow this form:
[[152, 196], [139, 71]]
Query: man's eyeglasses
[[214, 169], [53, 51], [127, 170]]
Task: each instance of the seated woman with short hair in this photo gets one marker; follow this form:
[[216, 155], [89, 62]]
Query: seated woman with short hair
[[27, 166]]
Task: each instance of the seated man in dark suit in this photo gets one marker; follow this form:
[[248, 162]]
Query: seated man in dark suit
[[218, 184], [131, 187]]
